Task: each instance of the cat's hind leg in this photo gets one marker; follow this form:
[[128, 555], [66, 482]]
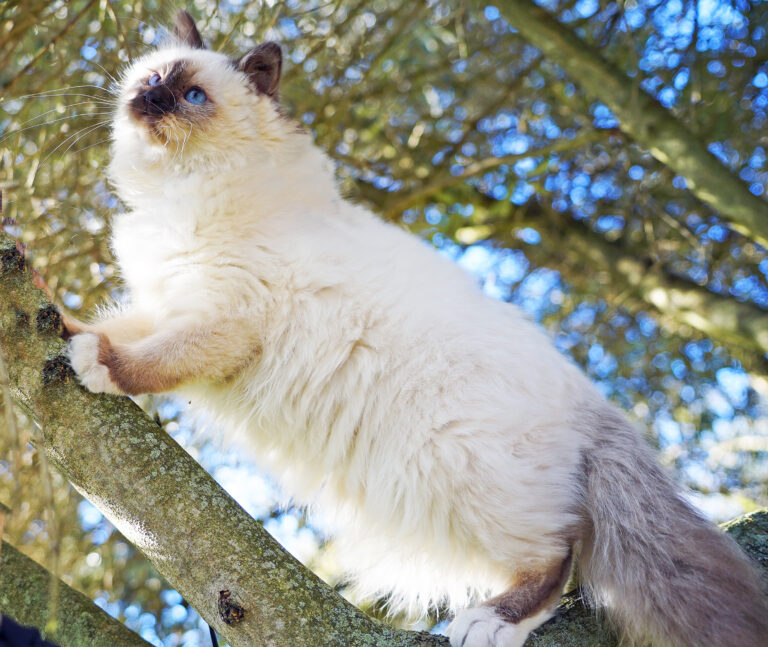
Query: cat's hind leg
[[506, 620]]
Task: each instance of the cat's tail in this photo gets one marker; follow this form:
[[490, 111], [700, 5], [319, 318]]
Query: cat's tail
[[664, 575]]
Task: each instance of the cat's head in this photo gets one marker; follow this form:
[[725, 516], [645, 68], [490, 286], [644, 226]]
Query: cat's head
[[183, 102]]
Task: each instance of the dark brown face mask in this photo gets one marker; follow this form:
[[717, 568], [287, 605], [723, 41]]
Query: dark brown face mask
[[161, 94], [157, 101]]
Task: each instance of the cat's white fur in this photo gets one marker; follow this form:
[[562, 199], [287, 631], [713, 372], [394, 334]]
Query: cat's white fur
[[434, 425], [430, 422]]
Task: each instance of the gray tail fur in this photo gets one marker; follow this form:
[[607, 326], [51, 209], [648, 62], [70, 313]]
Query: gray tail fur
[[664, 575]]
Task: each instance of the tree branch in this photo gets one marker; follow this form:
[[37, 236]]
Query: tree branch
[[643, 118], [45, 48], [585, 257], [446, 179], [25, 595]]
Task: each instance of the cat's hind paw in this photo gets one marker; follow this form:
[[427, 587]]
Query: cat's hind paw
[[84, 358], [483, 627]]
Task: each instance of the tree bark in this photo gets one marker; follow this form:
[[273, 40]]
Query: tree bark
[[643, 118], [201, 540], [24, 596]]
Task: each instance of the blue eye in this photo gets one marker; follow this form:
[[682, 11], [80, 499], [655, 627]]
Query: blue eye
[[154, 79], [196, 95]]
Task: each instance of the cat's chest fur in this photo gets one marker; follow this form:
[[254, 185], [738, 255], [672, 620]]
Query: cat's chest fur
[[154, 259], [170, 252]]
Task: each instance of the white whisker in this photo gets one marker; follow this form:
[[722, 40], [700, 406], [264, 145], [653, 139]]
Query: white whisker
[[79, 134], [180, 145], [112, 79], [9, 134], [91, 98], [87, 132], [55, 91], [81, 150]]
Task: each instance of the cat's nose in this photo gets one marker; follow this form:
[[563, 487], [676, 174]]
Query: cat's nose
[[158, 101]]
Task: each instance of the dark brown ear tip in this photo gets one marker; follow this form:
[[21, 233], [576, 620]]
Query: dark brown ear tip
[[263, 65], [186, 31], [269, 51], [273, 48]]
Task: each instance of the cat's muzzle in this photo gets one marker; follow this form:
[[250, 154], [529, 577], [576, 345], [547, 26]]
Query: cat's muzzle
[[156, 102]]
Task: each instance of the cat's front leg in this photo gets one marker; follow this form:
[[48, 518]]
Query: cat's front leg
[[119, 325], [91, 343], [86, 352], [166, 357]]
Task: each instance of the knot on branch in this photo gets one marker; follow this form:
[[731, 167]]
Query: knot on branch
[[11, 256], [57, 369], [49, 320], [22, 318], [229, 610]]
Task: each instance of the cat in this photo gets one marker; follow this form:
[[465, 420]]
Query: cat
[[463, 460]]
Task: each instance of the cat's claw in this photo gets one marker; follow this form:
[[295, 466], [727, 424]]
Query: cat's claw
[[84, 358], [483, 627]]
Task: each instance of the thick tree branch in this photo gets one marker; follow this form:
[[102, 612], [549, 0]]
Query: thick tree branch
[[643, 118], [24, 596]]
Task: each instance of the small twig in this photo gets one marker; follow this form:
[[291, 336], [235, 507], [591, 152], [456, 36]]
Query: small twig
[[446, 180], [4, 512], [120, 30]]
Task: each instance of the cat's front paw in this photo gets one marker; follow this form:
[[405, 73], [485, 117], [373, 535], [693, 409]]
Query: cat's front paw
[[84, 358], [483, 627]]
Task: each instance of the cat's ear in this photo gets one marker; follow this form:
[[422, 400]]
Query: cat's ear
[[185, 31], [263, 65]]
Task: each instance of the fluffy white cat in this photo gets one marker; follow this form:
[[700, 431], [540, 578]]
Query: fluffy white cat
[[463, 460]]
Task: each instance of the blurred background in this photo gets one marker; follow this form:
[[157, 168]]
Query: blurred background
[[443, 119]]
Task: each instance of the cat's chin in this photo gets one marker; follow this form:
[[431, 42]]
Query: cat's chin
[[159, 131], [159, 136]]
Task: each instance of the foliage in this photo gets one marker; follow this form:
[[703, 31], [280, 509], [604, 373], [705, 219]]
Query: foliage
[[444, 119]]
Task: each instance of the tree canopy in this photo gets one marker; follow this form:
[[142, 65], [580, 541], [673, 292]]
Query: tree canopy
[[601, 164]]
